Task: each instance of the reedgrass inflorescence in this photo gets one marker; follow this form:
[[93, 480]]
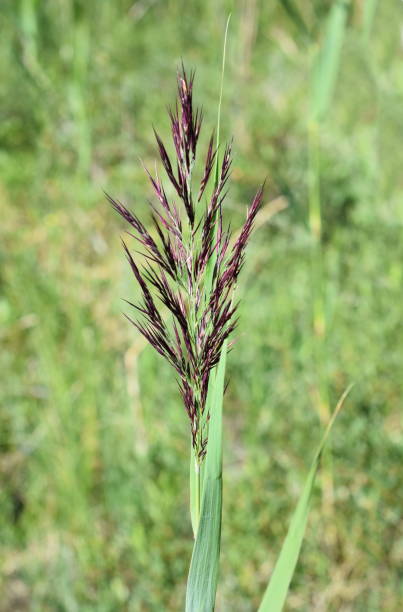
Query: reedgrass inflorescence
[[187, 274], [188, 264]]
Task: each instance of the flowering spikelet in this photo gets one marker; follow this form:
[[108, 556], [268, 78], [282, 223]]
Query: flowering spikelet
[[189, 268]]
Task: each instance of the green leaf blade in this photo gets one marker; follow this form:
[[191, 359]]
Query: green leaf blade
[[203, 573], [328, 60], [277, 589]]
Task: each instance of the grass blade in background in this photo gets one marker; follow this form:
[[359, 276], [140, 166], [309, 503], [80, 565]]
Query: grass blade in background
[[276, 592], [368, 15], [324, 76], [295, 16], [328, 60], [325, 71], [77, 93], [203, 573]]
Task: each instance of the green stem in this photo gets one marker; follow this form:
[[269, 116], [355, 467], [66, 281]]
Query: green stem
[[195, 491], [315, 217], [320, 332], [197, 495]]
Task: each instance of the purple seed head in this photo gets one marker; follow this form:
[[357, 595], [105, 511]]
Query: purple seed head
[[188, 272]]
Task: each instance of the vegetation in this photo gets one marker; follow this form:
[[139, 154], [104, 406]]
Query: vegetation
[[94, 443]]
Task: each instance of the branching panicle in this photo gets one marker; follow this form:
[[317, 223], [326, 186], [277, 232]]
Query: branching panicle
[[201, 314]]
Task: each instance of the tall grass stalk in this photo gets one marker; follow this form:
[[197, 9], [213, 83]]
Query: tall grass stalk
[[324, 77], [192, 270], [187, 277], [28, 21], [29, 30], [77, 92], [368, 15], [196, 481]]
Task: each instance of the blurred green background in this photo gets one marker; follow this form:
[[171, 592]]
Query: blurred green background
[[94, 440]]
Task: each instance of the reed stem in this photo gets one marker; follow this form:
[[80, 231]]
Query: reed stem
[[197, 495]]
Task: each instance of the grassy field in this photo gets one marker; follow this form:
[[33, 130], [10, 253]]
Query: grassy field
[[94, 439]]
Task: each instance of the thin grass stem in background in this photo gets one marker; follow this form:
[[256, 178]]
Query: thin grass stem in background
[[30, 37], [368, 16], [77, 92], [324, 77]]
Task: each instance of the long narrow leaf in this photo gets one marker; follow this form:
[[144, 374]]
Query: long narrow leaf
[[276, 592], [368, 16], [328, 60], [293, 12], [203, 573]]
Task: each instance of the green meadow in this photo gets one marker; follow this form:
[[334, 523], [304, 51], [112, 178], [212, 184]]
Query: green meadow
[[94, 439]]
